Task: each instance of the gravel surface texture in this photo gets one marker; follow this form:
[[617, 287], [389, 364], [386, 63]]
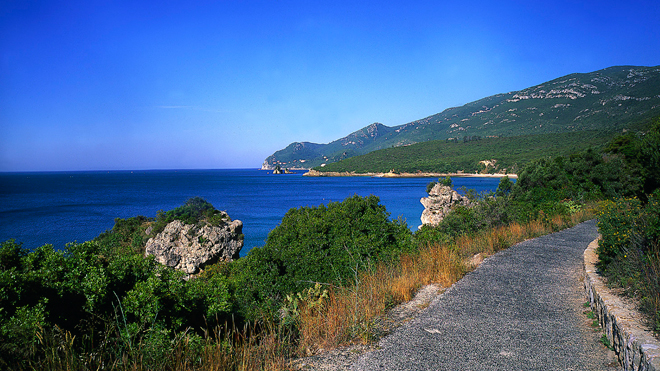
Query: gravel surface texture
[[522, 309]]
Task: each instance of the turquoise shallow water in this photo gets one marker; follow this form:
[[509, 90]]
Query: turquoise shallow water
[[61, 207]]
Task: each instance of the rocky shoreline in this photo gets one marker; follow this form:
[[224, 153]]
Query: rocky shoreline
[[317, 173]]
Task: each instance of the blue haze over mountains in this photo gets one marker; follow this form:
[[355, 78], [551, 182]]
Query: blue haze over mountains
[[613, 99]]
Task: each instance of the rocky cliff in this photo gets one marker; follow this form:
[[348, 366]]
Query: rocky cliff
[[191, 247], [440, 201]]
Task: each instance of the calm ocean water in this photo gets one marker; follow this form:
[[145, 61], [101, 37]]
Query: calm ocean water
[[61, 207]]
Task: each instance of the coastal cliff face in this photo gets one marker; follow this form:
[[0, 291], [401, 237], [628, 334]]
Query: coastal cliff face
[[440, 201], [190, 247]]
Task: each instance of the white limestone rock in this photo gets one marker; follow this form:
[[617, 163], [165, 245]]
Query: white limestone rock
[[440, 201], [189, 247]]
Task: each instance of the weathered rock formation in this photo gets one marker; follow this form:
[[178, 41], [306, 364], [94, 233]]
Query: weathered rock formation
[[278, 170], [190, 247], [440, 200]]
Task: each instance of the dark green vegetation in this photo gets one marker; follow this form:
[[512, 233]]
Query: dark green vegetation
[[102, 304], [327, 244], [193, 211], [105, 296], [506, 155], [608, 100], [446, 181], [629, 251], [121, 308]]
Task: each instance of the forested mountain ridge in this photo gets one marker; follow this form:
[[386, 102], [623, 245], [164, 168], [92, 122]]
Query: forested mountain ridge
[[506, 155], [611, 99]]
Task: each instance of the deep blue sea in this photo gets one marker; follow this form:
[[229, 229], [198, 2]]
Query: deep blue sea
[[61, 207]]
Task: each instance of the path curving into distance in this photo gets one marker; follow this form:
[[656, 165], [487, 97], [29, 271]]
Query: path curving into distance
[[522, 309]]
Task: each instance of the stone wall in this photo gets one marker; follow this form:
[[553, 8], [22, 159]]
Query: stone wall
[[633, 344]]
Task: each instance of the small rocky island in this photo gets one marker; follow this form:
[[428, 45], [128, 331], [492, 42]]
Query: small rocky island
[[279, 170], [191, 247], [441, 199]]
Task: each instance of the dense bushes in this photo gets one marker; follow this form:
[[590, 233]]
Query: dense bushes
[[586, 176], [94, 294], [629, 250], [628, 166], [328, 244], [194, 210], [102, 292], [106, 292], [496, 209]]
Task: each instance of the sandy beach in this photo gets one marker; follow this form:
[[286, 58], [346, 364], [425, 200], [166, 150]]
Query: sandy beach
[[407, 175]]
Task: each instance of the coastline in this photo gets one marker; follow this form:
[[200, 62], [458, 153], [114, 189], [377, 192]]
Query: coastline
[[316, 173]]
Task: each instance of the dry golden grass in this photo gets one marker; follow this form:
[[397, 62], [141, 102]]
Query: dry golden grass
[[233, 349]]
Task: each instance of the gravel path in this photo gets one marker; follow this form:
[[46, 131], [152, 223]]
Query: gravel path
[[522, 309]]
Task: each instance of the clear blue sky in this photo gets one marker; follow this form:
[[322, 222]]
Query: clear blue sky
[[109, 85]]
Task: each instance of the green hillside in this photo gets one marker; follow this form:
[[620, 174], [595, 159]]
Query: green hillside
[[492, 155], [611, 99]]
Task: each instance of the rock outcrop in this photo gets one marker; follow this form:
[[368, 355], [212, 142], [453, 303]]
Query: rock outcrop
[[439, 202], [278, 170], [191, 247]]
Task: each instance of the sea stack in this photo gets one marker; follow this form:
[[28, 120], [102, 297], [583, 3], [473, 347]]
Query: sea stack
[[440, 201]]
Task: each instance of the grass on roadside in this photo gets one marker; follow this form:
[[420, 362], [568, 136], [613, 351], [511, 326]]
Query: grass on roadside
[[348, 315]]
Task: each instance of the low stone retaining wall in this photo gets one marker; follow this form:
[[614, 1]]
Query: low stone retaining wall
[[635, 347]]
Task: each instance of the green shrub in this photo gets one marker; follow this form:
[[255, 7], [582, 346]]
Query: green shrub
[[584, 176], [629, 250], [616, 223], [327, 244], [107, 292], [504, 187], [193, 211], [445, 181], [430, 186], [18, 332]]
